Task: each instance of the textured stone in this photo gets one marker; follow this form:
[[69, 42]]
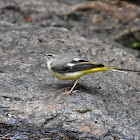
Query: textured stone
[[105, 105]]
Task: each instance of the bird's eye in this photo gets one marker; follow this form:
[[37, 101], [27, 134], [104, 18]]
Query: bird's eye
[[49, 55]]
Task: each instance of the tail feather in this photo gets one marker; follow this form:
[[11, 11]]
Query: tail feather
[[121, 70]]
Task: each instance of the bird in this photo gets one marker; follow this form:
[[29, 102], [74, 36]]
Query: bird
[[65, 67]]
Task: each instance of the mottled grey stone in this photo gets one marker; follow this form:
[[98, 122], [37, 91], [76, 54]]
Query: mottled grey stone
[[105, 105]]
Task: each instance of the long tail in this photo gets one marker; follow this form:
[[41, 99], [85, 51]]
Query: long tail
[[121, 70]]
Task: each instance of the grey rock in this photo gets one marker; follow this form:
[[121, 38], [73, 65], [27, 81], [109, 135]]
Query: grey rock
[[105, 105]]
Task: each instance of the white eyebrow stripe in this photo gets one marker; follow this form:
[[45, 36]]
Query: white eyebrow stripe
[[70, 64], [76, 59]]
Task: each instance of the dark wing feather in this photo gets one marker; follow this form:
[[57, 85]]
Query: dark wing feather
[[76, 67], [80, 67]]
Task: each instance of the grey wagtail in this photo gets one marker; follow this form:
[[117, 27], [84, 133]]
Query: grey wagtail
[[65, 68]]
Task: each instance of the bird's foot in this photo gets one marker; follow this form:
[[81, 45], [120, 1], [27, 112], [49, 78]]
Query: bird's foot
[[69, 93]]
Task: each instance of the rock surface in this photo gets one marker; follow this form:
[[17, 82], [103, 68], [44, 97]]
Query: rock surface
[[105, 105]]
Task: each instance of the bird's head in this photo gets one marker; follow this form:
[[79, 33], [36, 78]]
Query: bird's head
[[50, 57]]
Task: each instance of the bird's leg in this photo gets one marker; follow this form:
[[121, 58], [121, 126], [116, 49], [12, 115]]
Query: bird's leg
[[69, 93], [68, 86]]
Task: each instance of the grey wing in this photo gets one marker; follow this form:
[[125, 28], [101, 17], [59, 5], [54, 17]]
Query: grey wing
[[74, 66], [80, 67]]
